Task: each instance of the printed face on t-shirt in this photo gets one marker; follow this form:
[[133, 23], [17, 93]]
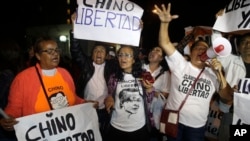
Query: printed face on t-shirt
[[58, 100], [130, 100]]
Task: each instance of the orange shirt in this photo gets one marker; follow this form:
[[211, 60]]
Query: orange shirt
[[27, 97]]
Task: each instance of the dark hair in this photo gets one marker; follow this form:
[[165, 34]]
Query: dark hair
[[143, 51], [137, 66], [97, 43], [241, 38], [38, 46], [10, 55], [187, 57], [163, 62], [197, 42]]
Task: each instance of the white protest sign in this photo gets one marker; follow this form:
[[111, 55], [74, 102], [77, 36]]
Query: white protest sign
[[244, 85], [214, 120], [112, 21], [236, 17], [75, 123], [242, 103]]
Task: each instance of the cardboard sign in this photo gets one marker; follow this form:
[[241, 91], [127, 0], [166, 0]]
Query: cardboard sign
[[112, 21], [242, 103], [75, 123], [236, 17]]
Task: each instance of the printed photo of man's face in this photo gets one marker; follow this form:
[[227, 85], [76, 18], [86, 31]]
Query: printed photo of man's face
[[59, 100], [130, 100]]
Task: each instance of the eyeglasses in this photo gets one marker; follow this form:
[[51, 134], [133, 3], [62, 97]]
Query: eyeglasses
[[51, 51], [120, 55]]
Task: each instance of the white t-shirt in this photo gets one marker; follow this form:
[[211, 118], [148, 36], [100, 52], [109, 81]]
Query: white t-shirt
[[96, 89], [129, 113], [195, 110], [233, 64]]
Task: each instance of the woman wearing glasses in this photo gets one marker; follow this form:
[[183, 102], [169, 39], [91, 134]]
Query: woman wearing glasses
[[27, 96], [126, 91]]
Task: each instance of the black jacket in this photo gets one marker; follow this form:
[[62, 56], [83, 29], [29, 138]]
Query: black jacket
[[85, 64]]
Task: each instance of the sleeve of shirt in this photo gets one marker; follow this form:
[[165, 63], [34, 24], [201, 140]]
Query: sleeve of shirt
[[15, 99], [176, 60]]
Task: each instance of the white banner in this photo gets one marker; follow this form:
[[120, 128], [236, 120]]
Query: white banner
[[75, 123], [236, 17], [115, 21], [242, 103]]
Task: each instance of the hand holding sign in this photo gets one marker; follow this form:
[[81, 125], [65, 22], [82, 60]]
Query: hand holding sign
[[7, 122]]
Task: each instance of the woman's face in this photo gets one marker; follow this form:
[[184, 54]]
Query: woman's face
[[49, 55], [244, 47], [196, 53], [99, 54], [155, 55], [126, 59]]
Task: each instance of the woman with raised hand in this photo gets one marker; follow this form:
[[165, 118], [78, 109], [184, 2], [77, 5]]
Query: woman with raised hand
[[193, 115]]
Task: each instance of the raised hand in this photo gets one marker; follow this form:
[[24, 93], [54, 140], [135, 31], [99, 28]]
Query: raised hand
[[164, 14]]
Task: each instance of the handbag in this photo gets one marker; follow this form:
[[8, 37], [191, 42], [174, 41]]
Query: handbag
[[169, 120]]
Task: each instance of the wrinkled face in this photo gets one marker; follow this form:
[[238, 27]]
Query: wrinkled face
[[99, 54], [49, 55], [196, 52], [126, 59], [244, 47], [155, 55]]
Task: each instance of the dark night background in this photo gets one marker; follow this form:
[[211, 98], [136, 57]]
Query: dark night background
[[17, 15]]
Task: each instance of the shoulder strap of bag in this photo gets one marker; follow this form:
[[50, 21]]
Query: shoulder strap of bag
[[44, 90], [158, 75], [182, 103]]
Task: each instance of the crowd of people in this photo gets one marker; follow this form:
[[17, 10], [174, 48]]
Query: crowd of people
[[127, 103]]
